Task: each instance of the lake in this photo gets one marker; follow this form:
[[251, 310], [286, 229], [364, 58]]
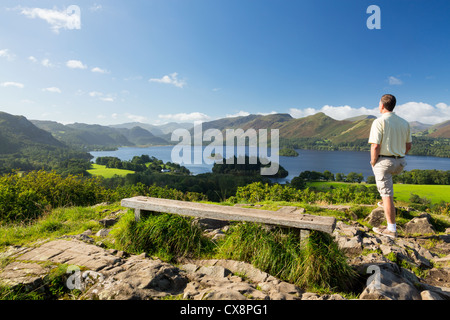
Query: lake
[[312, 160]]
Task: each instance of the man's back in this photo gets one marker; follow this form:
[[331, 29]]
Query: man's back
[[392, 133]]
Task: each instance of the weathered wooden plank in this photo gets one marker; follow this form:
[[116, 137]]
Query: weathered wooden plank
[[283, 218]]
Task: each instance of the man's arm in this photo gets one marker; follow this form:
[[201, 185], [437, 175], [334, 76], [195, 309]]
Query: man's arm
[[408, 147], [374, 153]]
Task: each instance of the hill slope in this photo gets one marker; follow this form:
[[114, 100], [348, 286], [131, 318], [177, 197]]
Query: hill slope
[[27, 147], [91, 137], [17, 133]]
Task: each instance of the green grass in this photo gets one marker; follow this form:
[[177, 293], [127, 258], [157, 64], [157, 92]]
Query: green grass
[[402, 192], [435, 193], [318, 265], [59, 222], [100, 170]]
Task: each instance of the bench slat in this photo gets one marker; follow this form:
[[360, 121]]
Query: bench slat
[[218, 212]]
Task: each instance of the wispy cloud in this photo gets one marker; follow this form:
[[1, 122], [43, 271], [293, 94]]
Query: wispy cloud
[[129, 116], [102, 97], [52, 90], [96, 7], [99, 70], [46, 63], [68, 18], [75, 64], [238, 114], [185, 117], [12, 84], [170, 79], [393, 81], [6, 53]]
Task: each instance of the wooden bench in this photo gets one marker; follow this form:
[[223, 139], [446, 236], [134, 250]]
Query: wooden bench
[[284, 218]]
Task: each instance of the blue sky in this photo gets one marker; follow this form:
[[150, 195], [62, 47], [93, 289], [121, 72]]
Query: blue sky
[[157, 61]]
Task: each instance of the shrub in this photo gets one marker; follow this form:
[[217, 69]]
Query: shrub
[[29, 195], [319, 264], [165, 235]]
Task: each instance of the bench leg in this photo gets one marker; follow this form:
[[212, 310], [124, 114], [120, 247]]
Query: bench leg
[[304, 235], [138, 213]]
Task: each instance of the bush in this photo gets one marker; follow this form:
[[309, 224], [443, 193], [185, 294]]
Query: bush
[[167, 236], [29, 195], [320, 264]]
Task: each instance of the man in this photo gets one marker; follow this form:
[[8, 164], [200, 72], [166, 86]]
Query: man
[[391, 140]]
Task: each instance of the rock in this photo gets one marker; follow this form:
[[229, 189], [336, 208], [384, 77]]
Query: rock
[[108, 222], [350, 246], [206, 223], [391, 286], [376, 217], [72, 252], [420, 225], [430, 295], [214, 271], [103, 233], [28, 275]]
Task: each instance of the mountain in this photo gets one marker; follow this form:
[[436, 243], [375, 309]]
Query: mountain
[[24, 146], [168, 128], [141, 137], [17, 133], [440, 130], [94, 136], [417, 126], [149, 127], [361, 117]]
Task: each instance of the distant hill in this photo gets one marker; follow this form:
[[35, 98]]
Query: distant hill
[[362, 117], [417, 126], [141, 137], [322, 132], [92, 137], [17, 133], [149, 127], [26, 147], [441, 130]]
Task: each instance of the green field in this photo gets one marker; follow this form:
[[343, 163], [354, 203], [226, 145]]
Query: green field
[[99, 170], [402, 192]]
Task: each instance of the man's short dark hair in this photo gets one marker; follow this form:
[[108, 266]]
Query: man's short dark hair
[[389, 101]]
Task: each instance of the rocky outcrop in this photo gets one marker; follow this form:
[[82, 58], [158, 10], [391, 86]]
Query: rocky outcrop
[[384, 265]]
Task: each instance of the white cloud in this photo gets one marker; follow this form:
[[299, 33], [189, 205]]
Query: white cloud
[[96, 7], [75, 64], [12, 84], [32, 59], [395, 81], [411, 111], [5, 53], [98, 70], [338, 113], [239, 114], [107, 99], [170, 79], [136, 118], [52, 89], [424, 112], [95, 94], [101, 96], [46, 63], [69, 18], [185, 117]]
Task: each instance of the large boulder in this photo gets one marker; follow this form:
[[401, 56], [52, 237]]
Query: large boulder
[[420, 225], [376, 217], [387, 283]]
